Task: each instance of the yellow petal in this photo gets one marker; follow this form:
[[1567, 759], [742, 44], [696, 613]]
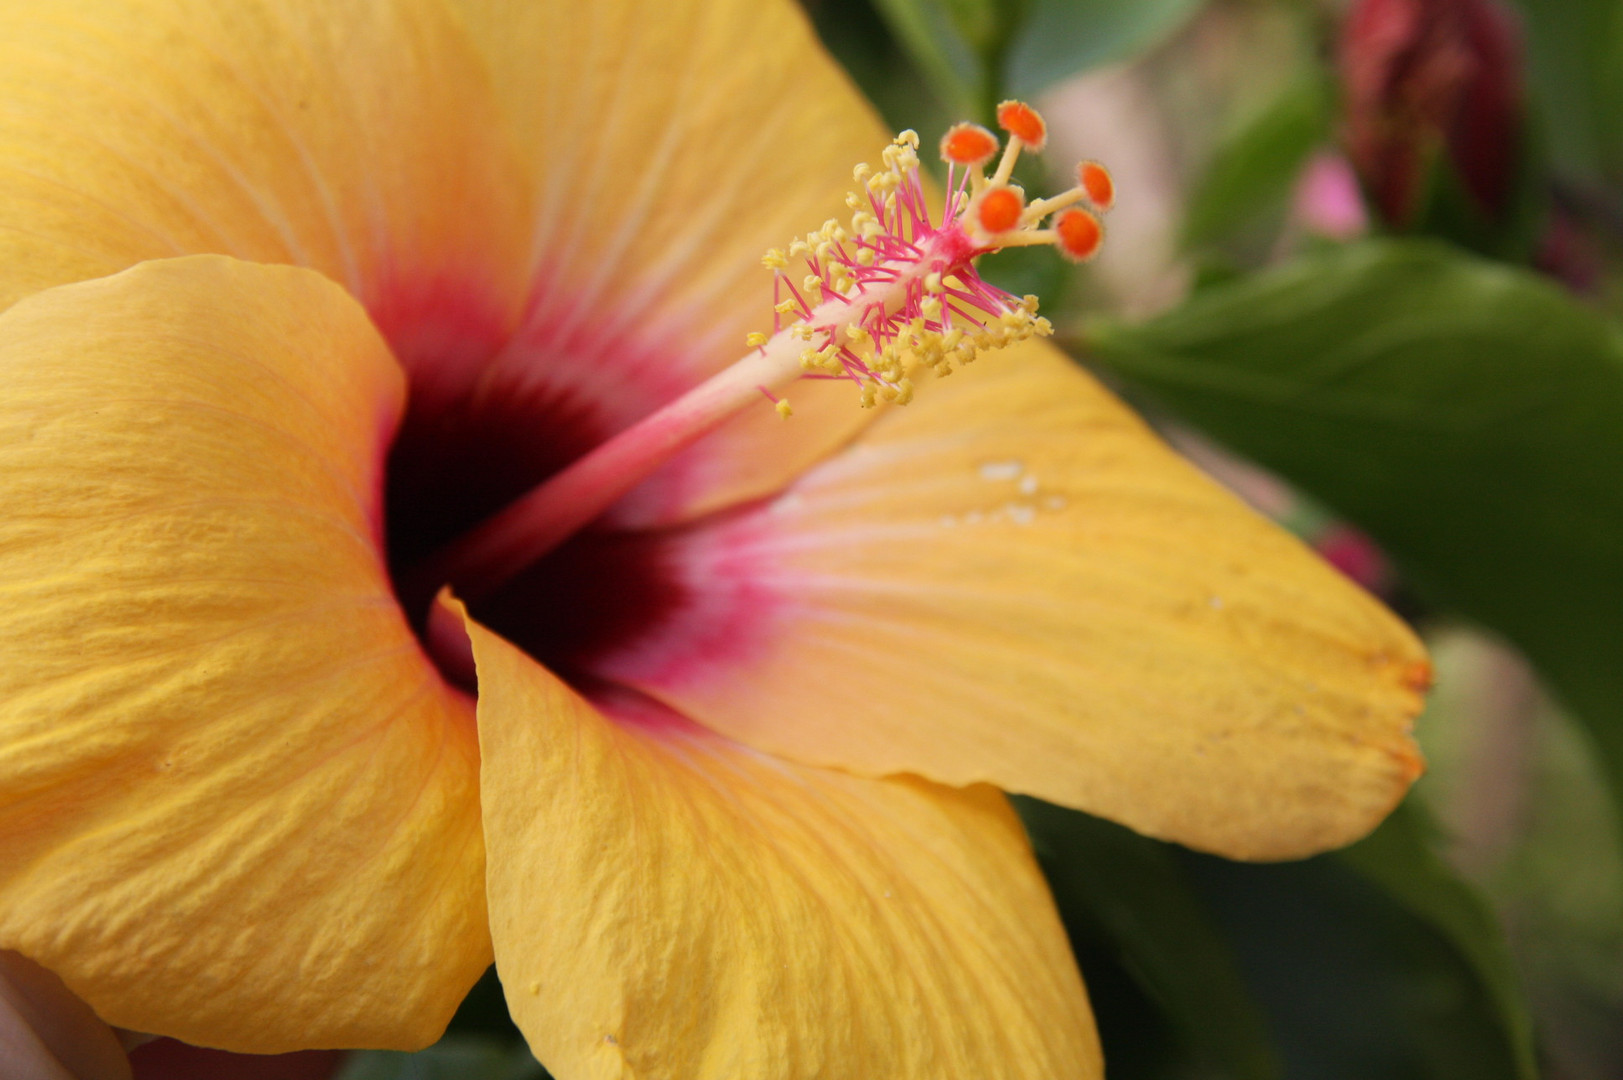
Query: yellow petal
[[1013, 581], [359, 139], [237, 803], [557, 231], [667, 903], [671, 144]]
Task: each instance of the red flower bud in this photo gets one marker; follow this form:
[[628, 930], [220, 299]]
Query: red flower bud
[[1427, 81]]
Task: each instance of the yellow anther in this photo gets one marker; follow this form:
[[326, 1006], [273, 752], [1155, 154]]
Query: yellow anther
[[802, 331], [786, 307], [755, 339], [932, 282], [799, 249], [774, 259], [865, 257], [908, 138], [869, 393], [930, 307], [783, 408], [813, 285], [861, 172], [855, 201]]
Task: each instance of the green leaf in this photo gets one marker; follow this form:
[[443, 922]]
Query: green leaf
[[1575, 52], [945, 39], [1255, 169], [452, 1058], [1060, 38], [1399, 857], [1128, 895], [1357, 983], [1470, 416], [865, 46]]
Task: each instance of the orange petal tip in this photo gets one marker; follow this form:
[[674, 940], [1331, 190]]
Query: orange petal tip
[[1023, 122], [1417, 676]]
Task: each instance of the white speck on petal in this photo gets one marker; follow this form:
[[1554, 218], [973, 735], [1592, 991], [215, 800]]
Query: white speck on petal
[[1028, 485], [973, 517], [948, 521], [1055, 502], [1022, 513], [1002, 470], [1216, 603]]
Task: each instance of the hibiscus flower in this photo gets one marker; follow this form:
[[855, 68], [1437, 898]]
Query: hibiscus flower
[[300, 296]]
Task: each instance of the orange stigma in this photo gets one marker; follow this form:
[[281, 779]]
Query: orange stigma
[[968, 145], [999, 210], [1095, 179], [1080, 234], [1024, 123]]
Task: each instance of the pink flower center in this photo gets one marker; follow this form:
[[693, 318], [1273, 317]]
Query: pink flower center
[[495, 512]]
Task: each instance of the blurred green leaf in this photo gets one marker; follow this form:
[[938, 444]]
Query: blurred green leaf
[[1400, 858], [948, 41], [1575, 52], [1130, 893], [452, 1058], [1255, 169], [1469, 415], [1355, 982], [1060, 38], [865, 46]]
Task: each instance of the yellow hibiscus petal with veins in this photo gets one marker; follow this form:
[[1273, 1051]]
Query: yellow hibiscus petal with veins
[[300, 294]]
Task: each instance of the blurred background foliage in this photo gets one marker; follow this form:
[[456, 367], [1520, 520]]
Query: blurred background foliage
[[1365, 268]]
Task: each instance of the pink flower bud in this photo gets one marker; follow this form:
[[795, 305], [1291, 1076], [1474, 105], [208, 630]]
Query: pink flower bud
[[1426, 81]]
